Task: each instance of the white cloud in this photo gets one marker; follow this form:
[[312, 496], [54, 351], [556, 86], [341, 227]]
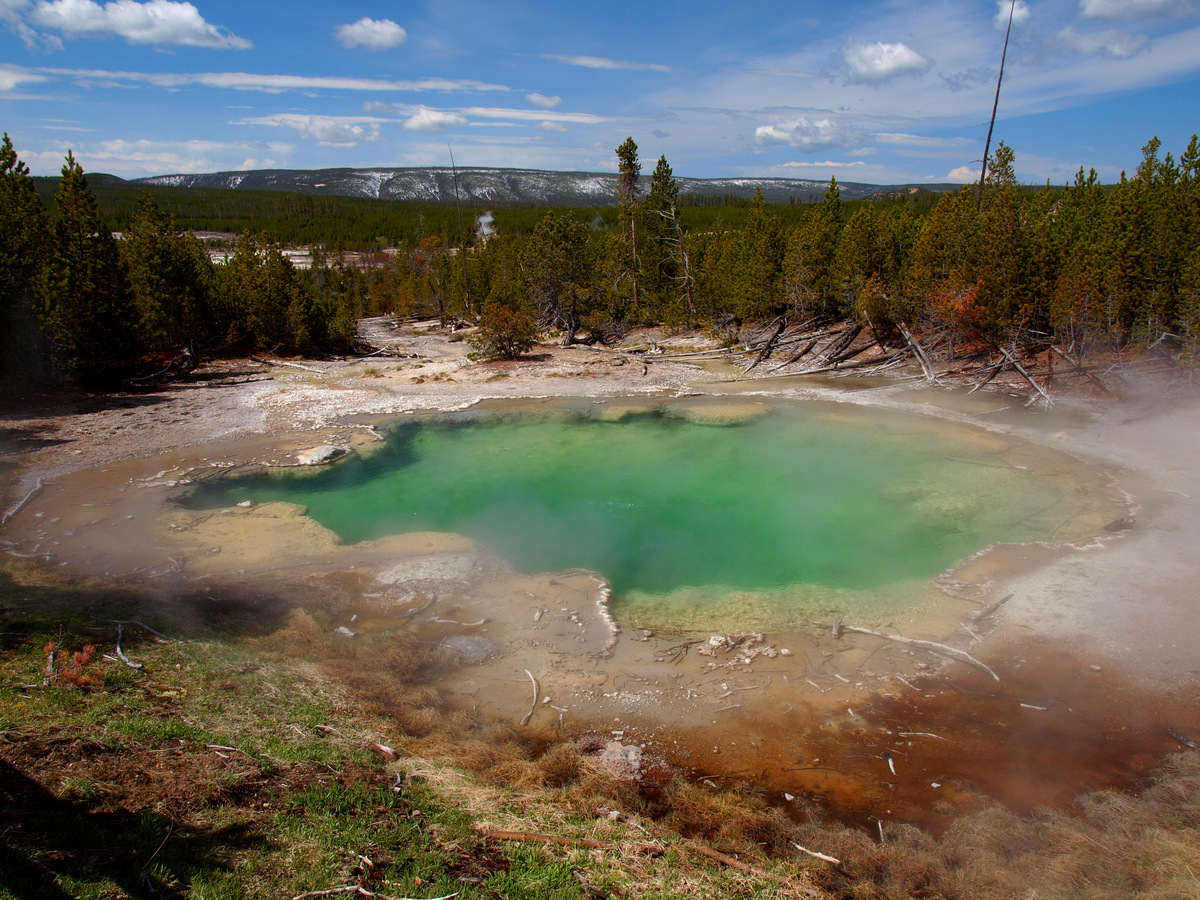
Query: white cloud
[[808, 134], [274, 84], [600, 62], [556, 127], [963, 175], [12, 16], [1111, 43], [1020, 13], [158, 22], [328, 131], [876, 62], [12, 76], [827, 164], [1134, 9], [374, 34], [425, 119], [541, 101]]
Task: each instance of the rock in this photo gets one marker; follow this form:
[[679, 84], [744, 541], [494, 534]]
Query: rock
[[316, 456], [621, 761]]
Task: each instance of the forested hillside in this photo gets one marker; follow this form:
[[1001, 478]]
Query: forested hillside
[[1086, 266]]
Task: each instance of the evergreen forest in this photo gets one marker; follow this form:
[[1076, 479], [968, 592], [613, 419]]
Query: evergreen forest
[[1090, 267]]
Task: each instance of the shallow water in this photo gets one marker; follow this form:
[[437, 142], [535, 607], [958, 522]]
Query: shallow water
[[687, 506]]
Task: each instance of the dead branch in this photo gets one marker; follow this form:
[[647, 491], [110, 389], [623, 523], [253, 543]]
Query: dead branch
[[931, 646], [920, 354], [1081, 370], [996, 368], [978, 614], [536, 693], [1183, 739], [362, 892], [529, 837], [20, 506], [290, 365], [733, 863], [769, 345], [120, 654], [817, 855], [139, 624], [1020, 369]]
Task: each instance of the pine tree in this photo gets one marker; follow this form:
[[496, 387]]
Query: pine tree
[[558, 274], [172, 279], [629, 195], [25, 239], [89, 303], [665, 262]]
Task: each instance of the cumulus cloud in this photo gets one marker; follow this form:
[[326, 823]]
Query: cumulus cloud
[[158, 22], [557, 127], [1134, 9], [374, 34], [12, 16], [963, 175], [807, 134], [876, 62], [328, 131], [1020, 14], [600, 62], [541, 101], [1111, 43], [426, 119]]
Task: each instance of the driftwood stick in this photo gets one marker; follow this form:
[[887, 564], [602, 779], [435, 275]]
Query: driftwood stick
[[1183, 739], [536, 693], [120, 654], [290, 365], [530, 837], [733, 863], [361, 892], [139, 624], [932, 646], [20, 506], [978, 614], [817, 855]]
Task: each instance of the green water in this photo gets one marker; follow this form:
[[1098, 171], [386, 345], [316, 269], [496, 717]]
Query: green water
[[825, 496]]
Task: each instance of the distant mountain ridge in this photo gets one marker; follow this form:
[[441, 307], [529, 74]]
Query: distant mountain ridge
[[514, 186]]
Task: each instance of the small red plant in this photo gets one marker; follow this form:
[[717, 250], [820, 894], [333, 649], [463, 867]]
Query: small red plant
[[75, 671]]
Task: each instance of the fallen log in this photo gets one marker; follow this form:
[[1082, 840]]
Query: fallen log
[[766, 350], [1021, 370], [920, 354], [1081, 370]]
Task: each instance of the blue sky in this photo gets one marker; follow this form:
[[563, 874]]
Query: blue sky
[[879, 92]]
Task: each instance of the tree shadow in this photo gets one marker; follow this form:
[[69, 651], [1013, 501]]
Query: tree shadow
[[48, 840]]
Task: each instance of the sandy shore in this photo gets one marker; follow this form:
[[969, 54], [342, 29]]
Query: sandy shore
[[87, 486]]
